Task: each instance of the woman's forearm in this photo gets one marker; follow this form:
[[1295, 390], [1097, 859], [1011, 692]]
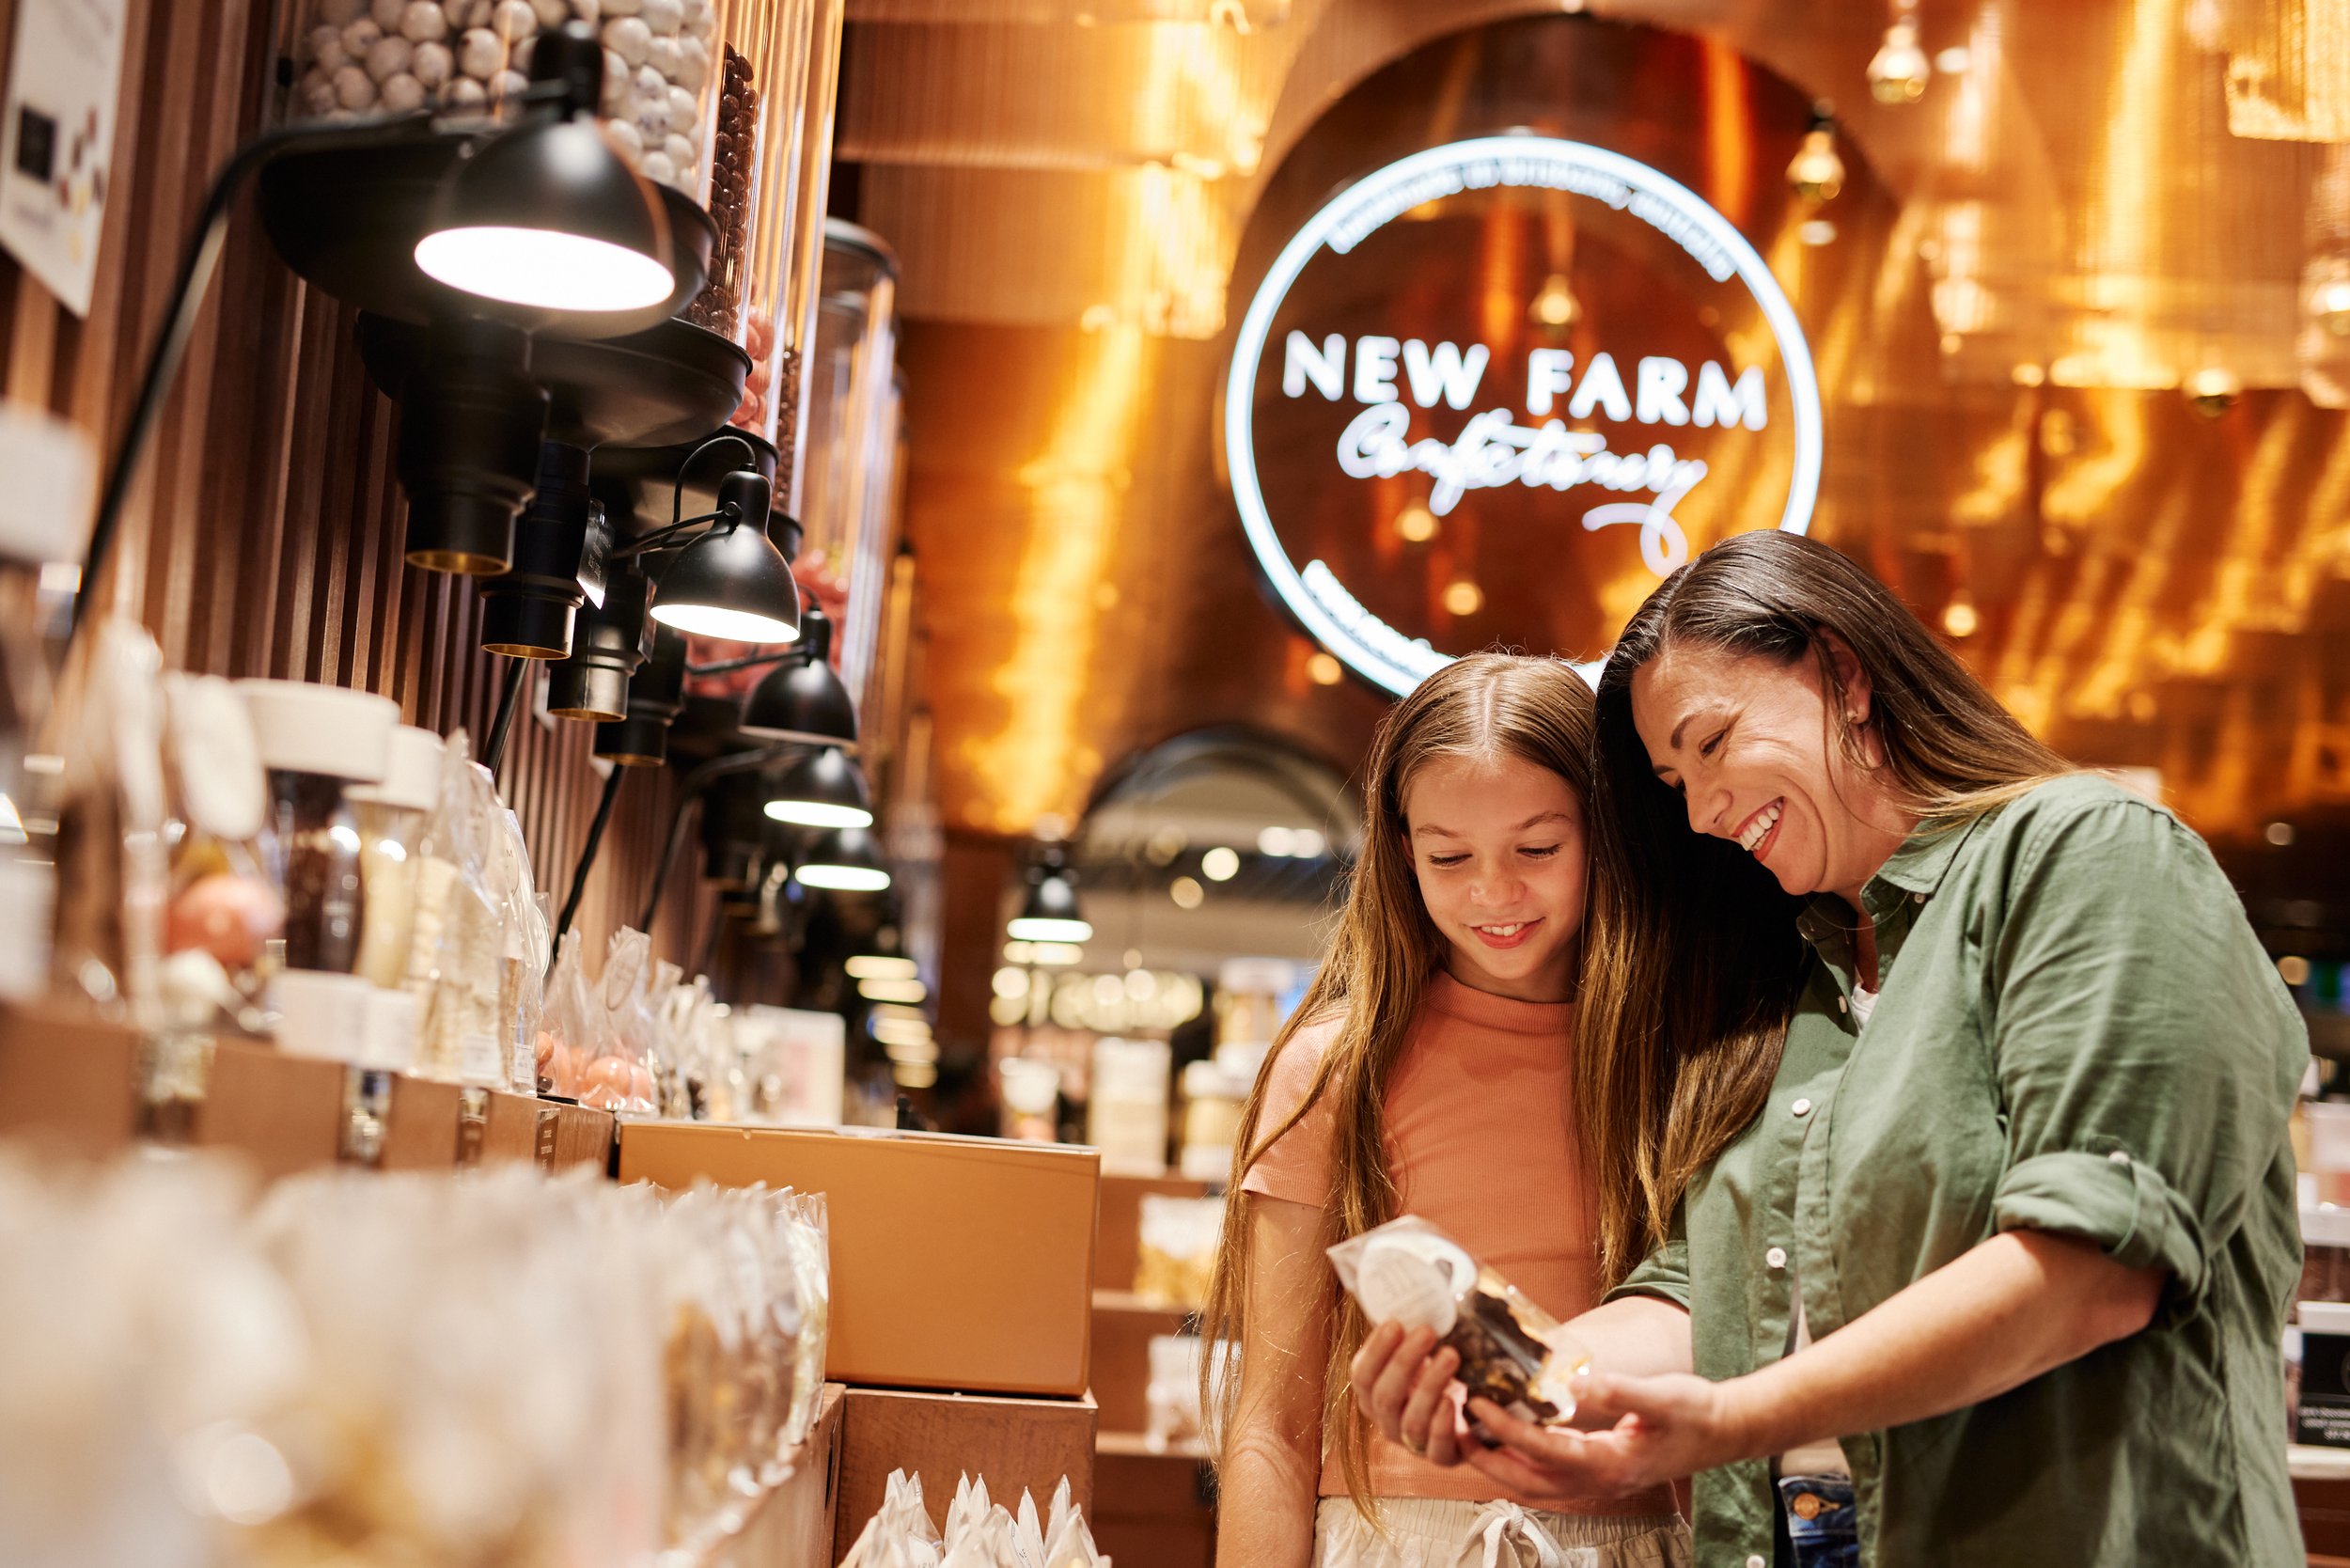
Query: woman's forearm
[[2000, 1314], [1638, 1336], [1265, 1504]]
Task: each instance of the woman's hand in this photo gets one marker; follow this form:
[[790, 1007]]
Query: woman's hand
[[1665, 1428], [1406, 1390]]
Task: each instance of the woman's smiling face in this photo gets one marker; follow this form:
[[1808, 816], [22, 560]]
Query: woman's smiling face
[[1497, 844], [1752, 747]]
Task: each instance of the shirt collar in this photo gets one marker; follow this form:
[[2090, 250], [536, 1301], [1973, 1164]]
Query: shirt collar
[[1917, 868]]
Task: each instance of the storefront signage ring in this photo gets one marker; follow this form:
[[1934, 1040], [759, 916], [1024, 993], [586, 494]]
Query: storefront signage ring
[[1337, 620]]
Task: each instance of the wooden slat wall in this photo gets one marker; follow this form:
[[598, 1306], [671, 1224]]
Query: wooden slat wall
[[265, 535]]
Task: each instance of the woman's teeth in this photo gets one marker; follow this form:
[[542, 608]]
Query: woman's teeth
[[1503, 931], [1759, 825]]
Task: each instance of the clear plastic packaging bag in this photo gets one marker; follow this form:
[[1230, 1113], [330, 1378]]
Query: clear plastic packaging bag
[[457, 967], [1513, 1353], [617, 1077], [566, 1025], [522, 962]]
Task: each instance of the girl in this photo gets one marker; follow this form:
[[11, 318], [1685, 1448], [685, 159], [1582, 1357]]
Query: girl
[[1425, 1071], [1983, 1257]]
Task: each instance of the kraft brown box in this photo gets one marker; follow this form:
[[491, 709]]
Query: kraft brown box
[[67, 1082], [582, 1136], [957, 1263], [420, 1130], [1118, 1255], [1015, 1445], [792, 1527], [283, 1113], [510, 1129]]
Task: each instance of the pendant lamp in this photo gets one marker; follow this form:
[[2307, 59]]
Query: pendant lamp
[[822, 790], [845, 860]]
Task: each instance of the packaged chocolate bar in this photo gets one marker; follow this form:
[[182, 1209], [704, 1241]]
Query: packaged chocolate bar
[[1513, 1353]]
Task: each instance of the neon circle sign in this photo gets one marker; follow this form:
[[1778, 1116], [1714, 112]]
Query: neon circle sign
[[1396, 381]]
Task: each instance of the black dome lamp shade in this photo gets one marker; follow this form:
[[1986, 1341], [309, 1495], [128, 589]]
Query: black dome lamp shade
[[732, 581], [1050, 913], [846, 860], [803, 698], [547, 216], [822, 790]]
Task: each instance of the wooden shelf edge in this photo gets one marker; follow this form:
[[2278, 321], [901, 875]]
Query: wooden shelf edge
[[1134, 1444]]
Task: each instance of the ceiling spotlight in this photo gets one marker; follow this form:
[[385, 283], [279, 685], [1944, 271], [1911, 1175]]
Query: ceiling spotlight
[[656, 695], [1556, 306], [1816, 172], [1900, 71], [547, 216], [904, 993], [1219, 863], [822, 790], [882, 967], [846, 860], [802, 697], [1050, 913]]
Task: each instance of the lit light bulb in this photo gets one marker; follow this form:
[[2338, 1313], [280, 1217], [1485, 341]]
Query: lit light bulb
[[1463, 597], [1958, 616], [2213, 390], [1556, 306], [1415, 522], [1900, 71], [1816, 172], [1324, 669]]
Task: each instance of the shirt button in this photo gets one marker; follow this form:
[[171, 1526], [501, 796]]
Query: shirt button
[[1775, 1257], [1801, 1108], [1840, 1004], [1920, 898], [2118, 1157]]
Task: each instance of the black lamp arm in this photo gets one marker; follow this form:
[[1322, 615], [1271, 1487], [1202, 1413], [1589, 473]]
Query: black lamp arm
[[660, 538], [689, 791], [727, 667], [587, 860]]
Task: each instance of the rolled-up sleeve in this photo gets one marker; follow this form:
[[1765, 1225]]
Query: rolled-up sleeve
[[2142, 1045], [1664, 1273]]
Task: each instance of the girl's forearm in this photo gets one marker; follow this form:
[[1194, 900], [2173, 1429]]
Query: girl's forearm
[[1265, 1504], [1998, 1315]]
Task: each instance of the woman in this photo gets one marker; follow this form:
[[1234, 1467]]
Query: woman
[[1984, 1256], [1426, 1070]]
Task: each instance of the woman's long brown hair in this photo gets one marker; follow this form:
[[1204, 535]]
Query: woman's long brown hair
[[1692, 961], [1383, 954]]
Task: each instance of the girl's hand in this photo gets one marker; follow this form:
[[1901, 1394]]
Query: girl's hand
[[1665, 1428], [1404, 1390]]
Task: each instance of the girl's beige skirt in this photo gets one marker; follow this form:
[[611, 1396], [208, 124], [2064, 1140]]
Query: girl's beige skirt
[[1434, 1532]]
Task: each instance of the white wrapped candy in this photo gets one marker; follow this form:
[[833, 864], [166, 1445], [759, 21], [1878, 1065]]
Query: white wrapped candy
[[617, 89], [630, 39], [679, 151], [403, 94], [423, 22], [513, 19], [664, 56], [354, 89], [683, 111], [698, 17], [326, 49], [588, 11], [694, 62], [341, 13], [479, 55], [432, 65], [389, 58], [551, 13], [316, 91], [523, 52], [465, 93], [621, 7], [664, 17], [624, 139], [653, 104], [508, 84], [387, 13], [657, 168], [360, 36], [466, 13]]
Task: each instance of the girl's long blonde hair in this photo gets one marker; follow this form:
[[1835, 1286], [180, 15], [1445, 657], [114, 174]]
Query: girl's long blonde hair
[[1384, 954]]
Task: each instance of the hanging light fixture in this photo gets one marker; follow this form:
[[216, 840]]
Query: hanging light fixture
[[1556, 306], [845, 860], [823, 788], [803, 698], [607, 646], [548, 216], [1816, 172], [1050, 913], [1899, 72], [732, 581], [656, 695]]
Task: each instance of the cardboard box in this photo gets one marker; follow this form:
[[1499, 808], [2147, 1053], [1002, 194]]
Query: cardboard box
[[1015, 1444], [283, 1113], [420, 1134], [67, 1082], [1154, 1510], [792, 1527], [957, 1263], [582, 1136], [1123, 1326], [510, 1127], [1118, 1253]]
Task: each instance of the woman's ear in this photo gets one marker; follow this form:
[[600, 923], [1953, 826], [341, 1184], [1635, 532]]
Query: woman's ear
[[1851, 678]]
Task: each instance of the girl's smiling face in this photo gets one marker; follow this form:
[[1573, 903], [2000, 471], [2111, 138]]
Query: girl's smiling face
[[1497, 845]]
